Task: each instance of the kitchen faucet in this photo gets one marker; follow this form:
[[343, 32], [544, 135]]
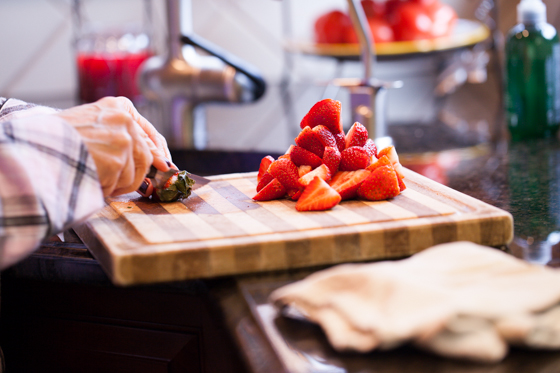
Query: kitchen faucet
[[182, 79], [367, 95]]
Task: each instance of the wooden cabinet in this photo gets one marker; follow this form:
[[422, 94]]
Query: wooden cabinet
[[50, 326]]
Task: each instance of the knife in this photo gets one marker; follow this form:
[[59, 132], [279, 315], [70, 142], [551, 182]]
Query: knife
[[159, 178]]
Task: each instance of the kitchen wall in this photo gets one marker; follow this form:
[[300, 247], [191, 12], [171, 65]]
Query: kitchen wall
[[36, 62]]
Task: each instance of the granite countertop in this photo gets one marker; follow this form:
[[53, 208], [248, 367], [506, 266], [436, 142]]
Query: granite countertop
[[522, 178]]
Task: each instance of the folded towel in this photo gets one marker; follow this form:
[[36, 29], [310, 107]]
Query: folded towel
[[459, 300]]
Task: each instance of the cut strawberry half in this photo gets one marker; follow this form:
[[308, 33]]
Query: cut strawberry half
[[357, 135], [346, 183], [310, 140], [371, 148], [265, 179], [382, 161], [390, 152], [322, 171], [331, 158], [263, 168], [340, 141], [325, 136], [354, 158], [294, 194], [286, 172], [317, 196], [301, 157], [272, 190], [325, 112], [402, 186], [302, 170], [381, 184]]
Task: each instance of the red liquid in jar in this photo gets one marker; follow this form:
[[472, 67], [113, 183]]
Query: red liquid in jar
[[104, 74]]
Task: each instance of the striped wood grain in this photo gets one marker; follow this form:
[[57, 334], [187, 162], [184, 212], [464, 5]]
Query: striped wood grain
[[220, 230]]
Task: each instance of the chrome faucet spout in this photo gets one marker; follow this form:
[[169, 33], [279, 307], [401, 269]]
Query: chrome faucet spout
[[181, 80]]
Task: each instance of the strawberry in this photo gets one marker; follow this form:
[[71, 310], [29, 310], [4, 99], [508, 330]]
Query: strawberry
[[294, 194], [346, 183], [340, 141], [390, 152], [301, 157], [357, 135], [325, 136], [325, 112], [263, 168], [265, 179], [284, 156], [272, 190], [286, 172], [381, 184], [354, 158], [331, 158], [317, 196], [322, 171], [371, 148], [310, 140], [302, 170], [398, 169], [382, 161], [402, 186]]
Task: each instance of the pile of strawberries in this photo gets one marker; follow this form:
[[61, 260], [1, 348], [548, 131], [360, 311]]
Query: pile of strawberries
[[327, 166]]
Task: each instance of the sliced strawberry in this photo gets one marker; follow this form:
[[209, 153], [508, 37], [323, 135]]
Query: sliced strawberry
[[310, 140], [354, 158], [402, 186], [371, 148], [286, 172], [340, 141], [263, 168], [301, 157], [381, 184], [382, 161], [346, 183], [317, 196], [302, 170], [398, 169], [390, 152], [322, 171], [357, 135], [294, 194], [284, 156], [265, 179], [325, 136], [325, 112], [272, 190], [331, 158]]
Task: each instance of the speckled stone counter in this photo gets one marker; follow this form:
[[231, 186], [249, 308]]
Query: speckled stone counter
[[522, 178]]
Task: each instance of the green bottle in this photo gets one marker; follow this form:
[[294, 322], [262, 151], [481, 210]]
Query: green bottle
[[532, 74]]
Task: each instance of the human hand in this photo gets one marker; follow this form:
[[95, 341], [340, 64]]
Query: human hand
[[122, 143]]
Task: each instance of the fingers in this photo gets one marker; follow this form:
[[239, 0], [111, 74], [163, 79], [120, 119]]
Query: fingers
[[146, 188], [122, 143], [158, 140], [138, 161]]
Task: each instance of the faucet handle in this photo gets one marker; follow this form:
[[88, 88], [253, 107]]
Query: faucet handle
[[243, 67]]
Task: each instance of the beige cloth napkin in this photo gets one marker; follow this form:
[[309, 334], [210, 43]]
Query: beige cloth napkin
[[458, 300]]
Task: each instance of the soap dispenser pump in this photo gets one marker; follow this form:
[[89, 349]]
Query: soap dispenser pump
[[532, 74]]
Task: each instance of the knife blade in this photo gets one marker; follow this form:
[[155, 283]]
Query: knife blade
[[159, 178]]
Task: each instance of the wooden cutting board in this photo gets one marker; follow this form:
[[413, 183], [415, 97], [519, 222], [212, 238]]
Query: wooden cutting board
[[220, 230]]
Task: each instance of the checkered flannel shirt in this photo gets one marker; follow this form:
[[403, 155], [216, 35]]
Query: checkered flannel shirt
[[48, 180]]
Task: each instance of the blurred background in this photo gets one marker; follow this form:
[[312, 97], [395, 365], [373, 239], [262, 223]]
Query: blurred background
[[38, 64]]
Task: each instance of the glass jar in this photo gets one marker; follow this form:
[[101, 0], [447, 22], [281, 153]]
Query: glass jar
[[112, 40]]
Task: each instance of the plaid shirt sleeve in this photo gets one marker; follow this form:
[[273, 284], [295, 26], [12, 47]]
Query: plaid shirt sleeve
[[48, 180]]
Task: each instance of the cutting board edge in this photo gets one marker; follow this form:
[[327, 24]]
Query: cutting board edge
[[127, 278]]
